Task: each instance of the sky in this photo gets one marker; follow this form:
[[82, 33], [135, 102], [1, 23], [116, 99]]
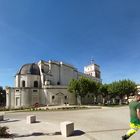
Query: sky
[[72, 31]]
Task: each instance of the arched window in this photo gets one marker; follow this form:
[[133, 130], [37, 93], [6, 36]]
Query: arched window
[[66, 97], [23, 83], [35, 83], [53, 97]]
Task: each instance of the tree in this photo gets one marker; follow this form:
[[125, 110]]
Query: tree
[[104, 91], [73, 87], [113, 89], [96, 91], [122, 88], [93, 89], [84, 86], [126, 87], [80, 87]]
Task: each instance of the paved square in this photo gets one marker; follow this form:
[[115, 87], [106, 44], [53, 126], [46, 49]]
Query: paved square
[[90, 124]]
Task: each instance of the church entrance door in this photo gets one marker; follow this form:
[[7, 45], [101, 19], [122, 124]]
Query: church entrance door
[[60, 98], [17, 101], [35, 99]]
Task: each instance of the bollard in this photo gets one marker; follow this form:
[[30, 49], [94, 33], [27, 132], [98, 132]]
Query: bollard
[[67, 128], [31, 119]]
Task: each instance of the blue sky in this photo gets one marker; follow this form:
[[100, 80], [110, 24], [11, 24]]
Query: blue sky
[[73, 31]]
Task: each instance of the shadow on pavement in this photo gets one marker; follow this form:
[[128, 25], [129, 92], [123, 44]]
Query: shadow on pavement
[[98, 131], [36, 134], [8, 121], [78, 133], [37, 121]]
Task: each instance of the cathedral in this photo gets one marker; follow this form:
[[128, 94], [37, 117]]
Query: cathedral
[[45, 83]]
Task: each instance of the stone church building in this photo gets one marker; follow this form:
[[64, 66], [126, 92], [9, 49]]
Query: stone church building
[[45, 83]]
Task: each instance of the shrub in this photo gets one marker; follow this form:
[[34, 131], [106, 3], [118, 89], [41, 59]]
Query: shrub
[[3, 131]]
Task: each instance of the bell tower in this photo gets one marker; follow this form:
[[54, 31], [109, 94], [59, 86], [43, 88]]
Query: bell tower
[[93, 70]]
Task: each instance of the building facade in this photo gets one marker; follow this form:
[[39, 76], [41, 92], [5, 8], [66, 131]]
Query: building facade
[[45, 83]]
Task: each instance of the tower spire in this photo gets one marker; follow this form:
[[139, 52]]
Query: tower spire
[[92, 61]]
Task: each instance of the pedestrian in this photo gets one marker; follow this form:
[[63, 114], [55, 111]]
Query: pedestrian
[[134, 107]]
